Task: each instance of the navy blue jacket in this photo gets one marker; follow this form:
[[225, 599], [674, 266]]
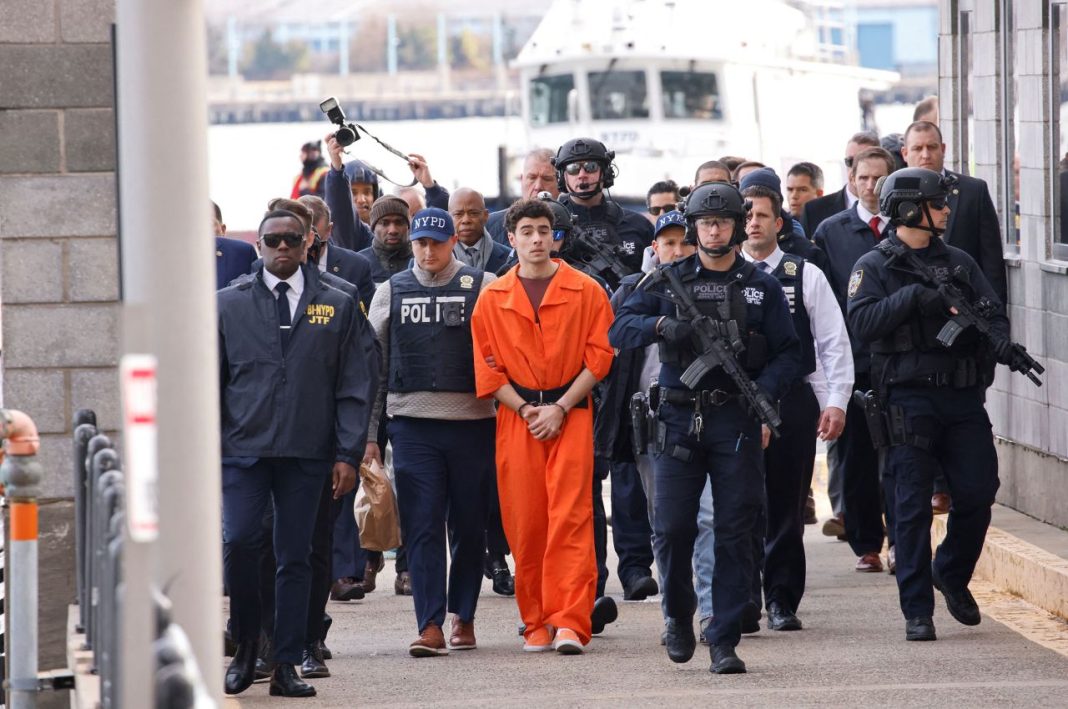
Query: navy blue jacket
[[313, 400], [817, 210], [496, 227], [498, 257], [633, 231], [635, 326], [612, 432], [233, 258], [351, 267], [883, 298], [974, 228]]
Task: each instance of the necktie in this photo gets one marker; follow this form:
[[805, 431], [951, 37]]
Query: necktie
[[472, 255], [763, 266], [874, 224], [284, 319]]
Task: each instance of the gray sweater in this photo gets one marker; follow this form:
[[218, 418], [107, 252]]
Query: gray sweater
[[445, 405]]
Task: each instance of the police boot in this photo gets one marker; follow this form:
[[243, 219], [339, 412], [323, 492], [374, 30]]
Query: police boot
[[313, 665], [920, 628], [679, 639], [725, 661], [286, 683], [604, 612], [242, 670], [961, 604]]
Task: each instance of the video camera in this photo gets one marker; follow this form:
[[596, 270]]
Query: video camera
[[346, 133]]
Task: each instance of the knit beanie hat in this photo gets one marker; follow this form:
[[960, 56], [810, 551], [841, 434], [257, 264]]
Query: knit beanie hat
[[387, 205]]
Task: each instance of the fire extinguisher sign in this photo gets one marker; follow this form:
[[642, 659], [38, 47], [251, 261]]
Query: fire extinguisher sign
[[139, 386]]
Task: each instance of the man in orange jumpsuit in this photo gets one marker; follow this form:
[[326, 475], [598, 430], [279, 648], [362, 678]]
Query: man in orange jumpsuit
[[541, 343]]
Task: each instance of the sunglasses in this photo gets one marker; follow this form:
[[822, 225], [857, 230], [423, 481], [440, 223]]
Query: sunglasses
[[848, 162], [655, 211], [937, 203], [292, 239], [589, 166]]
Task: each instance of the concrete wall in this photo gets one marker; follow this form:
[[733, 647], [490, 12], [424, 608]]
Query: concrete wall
[[1031, 422], [58, 279], [58, 276]]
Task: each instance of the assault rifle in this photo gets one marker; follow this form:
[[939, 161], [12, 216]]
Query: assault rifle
[[968, 314], [717, 350], [600, 257]]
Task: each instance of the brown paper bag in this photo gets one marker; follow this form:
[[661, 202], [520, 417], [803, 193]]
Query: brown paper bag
[[376, 510]]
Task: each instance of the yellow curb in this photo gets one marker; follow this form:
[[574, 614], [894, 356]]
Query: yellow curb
[[1033, 623], [1019, 568]]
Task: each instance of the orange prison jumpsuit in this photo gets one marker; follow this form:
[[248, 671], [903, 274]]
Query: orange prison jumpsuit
[[544, 486]]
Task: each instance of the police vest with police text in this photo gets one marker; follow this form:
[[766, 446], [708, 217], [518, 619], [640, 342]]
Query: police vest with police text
[[430, 345], [790, 274]]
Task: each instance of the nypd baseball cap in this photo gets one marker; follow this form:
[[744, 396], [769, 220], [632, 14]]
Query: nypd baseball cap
[[432, 223], [669, 219]]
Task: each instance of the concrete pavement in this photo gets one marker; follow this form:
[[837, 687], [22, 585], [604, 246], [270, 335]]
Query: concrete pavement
[[852, 652]]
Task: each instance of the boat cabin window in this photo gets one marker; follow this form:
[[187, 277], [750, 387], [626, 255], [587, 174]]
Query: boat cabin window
[[618, 94], [689, 94], [548, 99]]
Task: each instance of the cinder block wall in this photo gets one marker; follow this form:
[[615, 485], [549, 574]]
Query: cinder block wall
[[59, 277], [1031, 422]]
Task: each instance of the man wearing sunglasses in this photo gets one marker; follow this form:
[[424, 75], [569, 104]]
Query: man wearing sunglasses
[[662, 198], [821, 208], [933, 392], [287, 427], [584, 170]]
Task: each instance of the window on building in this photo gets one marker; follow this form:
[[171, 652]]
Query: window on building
[[690, 94], [548, 99], [616, 95], [965, 148], [1009, 179], [1058, 91]]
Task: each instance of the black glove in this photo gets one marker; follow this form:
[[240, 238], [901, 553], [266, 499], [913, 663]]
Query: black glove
[[676, 332], [1003, 352], [928, 300]]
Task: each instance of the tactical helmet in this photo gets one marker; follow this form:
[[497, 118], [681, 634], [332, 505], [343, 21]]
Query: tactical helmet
[[356, 171], [903, 195], [562, 220], [580, 150], [716, 199]]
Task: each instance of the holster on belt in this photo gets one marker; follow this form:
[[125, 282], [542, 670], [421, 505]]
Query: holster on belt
[[875, 416]]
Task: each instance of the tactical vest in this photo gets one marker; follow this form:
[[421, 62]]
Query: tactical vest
[[430, 345], [725, 303], [790, 274]]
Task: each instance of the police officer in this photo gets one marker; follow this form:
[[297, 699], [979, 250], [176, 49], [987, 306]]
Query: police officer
[[286, 427], [933, 394], [584, 170], [707, 433], [442, 435], [815, 405]]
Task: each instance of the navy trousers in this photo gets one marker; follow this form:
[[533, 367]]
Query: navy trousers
[[600, 524], [443, 470], [788, 463], [961, 447], [728, 454], [347, 561], [860, 463], [295, 486], [632, 536]]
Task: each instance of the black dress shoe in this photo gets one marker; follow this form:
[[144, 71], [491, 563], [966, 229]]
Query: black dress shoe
[[751, 618], [263, 669], [961, 604], [496, 569], [312, 665], [285, 683], [679, 639], [921, 628], [725, 661], [604, 612], [779, 618], [325, 651], [242, 670], [640, 588]]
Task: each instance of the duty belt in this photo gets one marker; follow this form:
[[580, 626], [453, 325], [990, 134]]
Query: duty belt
[[704, 397], [941, 380], [543, 397]]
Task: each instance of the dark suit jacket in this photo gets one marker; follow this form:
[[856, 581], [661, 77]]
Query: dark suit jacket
[[496, 228], [498, 257], [820, 208], [233, 258], [974, 228], [356, 270]]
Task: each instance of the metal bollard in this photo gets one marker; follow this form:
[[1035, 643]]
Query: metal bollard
[[96, 444], [84, 430], [107, 499], [21, 474], [110, 616]]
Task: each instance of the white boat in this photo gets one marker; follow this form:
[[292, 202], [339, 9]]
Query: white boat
[[669, 84]]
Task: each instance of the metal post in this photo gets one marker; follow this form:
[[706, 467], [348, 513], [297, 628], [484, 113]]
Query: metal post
[[22, 475], [391, 45], [233, 47], [343, 47], [443, 51], [498, 50], [84, 429], [161, 121]]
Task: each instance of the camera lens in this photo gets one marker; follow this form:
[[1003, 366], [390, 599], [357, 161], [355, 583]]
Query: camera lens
[[345, 136]]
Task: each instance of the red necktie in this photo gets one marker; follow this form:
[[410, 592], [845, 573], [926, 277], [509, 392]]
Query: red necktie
[[874, 224]]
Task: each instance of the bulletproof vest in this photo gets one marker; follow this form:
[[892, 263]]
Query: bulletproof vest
[[430, 333], [596, 231], [724, 302], [790, 273]]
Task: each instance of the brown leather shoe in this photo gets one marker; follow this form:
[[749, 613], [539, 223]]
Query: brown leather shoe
[[463, 635], [940, 503], [870, 563], [370, 572], [834, 527], [346, 589], [430, 643], [402, 586]]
